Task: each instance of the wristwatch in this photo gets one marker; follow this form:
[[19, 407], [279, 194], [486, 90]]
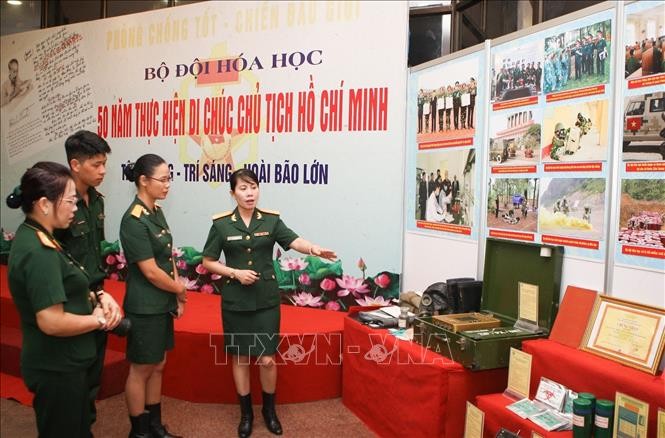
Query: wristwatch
[[101, 321]]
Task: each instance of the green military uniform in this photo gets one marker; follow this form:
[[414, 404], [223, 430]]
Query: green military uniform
[[144, 235], [83, 241], [54, 368], [252, 309]]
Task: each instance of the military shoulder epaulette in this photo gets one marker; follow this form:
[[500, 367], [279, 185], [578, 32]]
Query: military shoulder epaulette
[[275, 212], [221, 215], [137, 211], [44, 239]]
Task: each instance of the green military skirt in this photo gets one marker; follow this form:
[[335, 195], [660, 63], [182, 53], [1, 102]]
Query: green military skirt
[[150, 337], [251, 333]]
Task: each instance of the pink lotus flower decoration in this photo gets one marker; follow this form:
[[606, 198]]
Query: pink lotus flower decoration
[[189, 284], [207, 289], [181, 264], [306, 299], [304, 279], [177, 252], [332, 305], [110, 260], [349, 284], [361, 264], [369, 301], [383, 281], [120, 266], [327, 284], [215, 277], [289, 264], [200, 269], [114, 276], [120, 257], [8, 235]]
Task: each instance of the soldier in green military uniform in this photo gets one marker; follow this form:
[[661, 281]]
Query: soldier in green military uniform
[[50, 290], [250, 297], [154, 294], [86, 155], [559, 141]]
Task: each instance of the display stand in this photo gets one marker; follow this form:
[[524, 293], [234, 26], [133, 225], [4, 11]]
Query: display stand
[[399, 387], [576, 369]]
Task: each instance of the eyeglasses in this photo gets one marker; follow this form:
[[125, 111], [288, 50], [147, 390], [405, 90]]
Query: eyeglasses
[[164, 180]]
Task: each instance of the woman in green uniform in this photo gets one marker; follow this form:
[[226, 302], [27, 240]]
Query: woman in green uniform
[[154, 294], [50, 290], [250, 298]]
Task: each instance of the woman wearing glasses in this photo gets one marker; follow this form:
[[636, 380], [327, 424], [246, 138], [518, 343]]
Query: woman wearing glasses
[[51, 293], [154, 295]]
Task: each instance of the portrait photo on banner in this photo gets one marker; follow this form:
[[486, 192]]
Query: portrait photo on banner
[[512, 203], [644, 39], [578, 58], [445, 186], [447, 101], [576, 132], [517, 72], [573, 207], [515, 137]]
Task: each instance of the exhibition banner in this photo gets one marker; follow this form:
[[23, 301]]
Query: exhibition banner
[[549, 136], [446, 105], [309, 95], [641, 233]]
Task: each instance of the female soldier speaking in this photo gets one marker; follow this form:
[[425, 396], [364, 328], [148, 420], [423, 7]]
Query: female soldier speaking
[[51, 293], [154, 294], [250, 298]]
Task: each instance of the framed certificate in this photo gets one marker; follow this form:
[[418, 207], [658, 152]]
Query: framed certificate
[[626, 332]]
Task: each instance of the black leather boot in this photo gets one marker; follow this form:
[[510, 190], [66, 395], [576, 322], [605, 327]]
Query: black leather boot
[[157, 429], [246, 416], [140, 426], [269, 414]]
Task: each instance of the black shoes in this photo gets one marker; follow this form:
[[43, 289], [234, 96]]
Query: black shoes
[[269, 414], [140, 426], [246, 416], [157, 429]]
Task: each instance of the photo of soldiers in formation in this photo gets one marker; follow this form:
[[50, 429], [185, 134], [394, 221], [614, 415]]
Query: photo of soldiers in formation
[[449, 109], [577, 58], [644, 40], [517, 73]]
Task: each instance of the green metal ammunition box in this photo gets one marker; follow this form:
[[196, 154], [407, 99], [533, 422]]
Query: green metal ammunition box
[[507, 263]]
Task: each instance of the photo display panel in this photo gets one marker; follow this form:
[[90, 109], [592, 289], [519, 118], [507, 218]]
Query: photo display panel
[[549, 144], [446, 105]]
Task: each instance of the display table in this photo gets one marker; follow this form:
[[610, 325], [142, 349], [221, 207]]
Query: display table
[[399, 388], [580, 371], [586, 372]]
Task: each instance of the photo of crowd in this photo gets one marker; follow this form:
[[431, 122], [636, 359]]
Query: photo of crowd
[[515, 138], [447, 107], [576, 132], [645, 42], [444, 186], [578, 58], [517, 73], [512, 203]]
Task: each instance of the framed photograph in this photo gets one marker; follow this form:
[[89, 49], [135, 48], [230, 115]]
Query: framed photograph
[[627, 332]]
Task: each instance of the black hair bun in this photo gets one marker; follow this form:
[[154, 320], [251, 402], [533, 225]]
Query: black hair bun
[[128, 171], [15, 199]]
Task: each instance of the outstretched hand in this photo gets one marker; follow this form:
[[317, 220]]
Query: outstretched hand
[[324, 253]]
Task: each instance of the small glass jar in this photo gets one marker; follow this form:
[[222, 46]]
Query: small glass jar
[[403, 321]]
